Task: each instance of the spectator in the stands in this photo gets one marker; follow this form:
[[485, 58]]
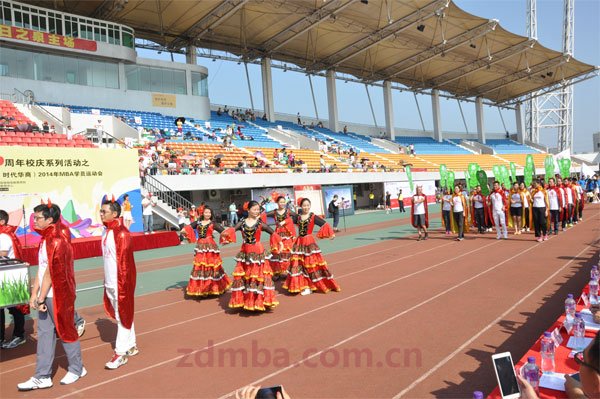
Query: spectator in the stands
[[345, 129], [45, 127], [299, 120], [142, 170], [264, 117], [69, 133], [219, 112], [217, 162]]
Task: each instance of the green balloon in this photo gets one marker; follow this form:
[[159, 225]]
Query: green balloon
[[513, 171], [450, 180], [528, 176], [565, 167], [529, 162], [473, 168], [504, 175], [549, 166], [496, 172], [443, 175], [482, 181], [410, 179]]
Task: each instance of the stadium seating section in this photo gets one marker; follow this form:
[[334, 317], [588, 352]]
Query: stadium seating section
[[33, 139], [427, 145], [429, 154]]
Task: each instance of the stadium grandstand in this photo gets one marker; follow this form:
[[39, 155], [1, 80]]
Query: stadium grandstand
[[83, 116]]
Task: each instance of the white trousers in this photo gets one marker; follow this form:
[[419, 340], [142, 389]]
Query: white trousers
[[125, 336], [500, 222]]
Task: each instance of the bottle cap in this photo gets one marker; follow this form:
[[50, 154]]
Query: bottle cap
[[477, 395], [577, 314], [570, 296], [531, 359], [547, 334]]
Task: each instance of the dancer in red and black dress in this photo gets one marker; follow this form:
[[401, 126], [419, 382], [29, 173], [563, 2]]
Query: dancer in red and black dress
[[208, 276], [308, 270], [253, 287], [280, 260]]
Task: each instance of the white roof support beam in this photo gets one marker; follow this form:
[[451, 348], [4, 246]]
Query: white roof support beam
[[214, 18], [481, 63], [538, 93], [436, 51], [385, 33], [326, 11], [518, 76]]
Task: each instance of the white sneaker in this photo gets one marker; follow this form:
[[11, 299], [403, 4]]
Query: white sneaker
[[16, 341], [70, 378], [80, 328], [35, 383], [133, 351], [306, 291], [116, 361]]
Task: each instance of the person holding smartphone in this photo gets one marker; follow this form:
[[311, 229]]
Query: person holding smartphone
[[589, 374]]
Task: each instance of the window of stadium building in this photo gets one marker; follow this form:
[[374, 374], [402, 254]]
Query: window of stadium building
[[41, 19], [158, 80], [199, 84], [56, 68]]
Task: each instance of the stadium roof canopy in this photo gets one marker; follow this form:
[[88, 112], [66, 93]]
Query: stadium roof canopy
[[422, 44]]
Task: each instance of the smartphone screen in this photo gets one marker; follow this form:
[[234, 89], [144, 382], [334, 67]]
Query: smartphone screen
[[268, 393], [506, 376]]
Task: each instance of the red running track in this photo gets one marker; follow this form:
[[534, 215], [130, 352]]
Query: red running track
[[422, 318]]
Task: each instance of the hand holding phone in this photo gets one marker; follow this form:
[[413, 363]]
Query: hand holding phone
[[270, 392], [506, 376]]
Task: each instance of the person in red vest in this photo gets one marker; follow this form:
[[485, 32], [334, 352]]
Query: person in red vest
[[119, 281], [11, 248], [53, 295]]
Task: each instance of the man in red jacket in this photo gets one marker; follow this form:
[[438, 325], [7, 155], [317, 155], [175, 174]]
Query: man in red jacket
[[119, 281], [53, 295]]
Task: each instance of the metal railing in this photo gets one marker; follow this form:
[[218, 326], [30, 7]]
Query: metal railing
[[100, 137], [165, 194]]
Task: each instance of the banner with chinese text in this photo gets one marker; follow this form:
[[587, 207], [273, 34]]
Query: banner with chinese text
[[76, 179], [34, 36]]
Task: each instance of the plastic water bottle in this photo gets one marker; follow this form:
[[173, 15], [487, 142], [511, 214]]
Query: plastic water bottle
[[570, 308], [579, 333], [593, 286], [547, 352], [595, 273], [477, 395], [531, 373]]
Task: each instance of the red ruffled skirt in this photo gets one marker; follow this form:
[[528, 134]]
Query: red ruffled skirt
[[280, 262], [308, 269], [208, 276], [252, 287]]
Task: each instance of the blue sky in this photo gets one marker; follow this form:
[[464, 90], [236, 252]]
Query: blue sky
[[227, 80]]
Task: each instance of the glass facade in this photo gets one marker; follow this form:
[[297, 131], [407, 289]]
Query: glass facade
[[159, 80], [199, 84], [44, 20], [58, 68]]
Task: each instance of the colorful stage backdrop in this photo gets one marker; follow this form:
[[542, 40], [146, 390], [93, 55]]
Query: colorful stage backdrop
[[76, 179]]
